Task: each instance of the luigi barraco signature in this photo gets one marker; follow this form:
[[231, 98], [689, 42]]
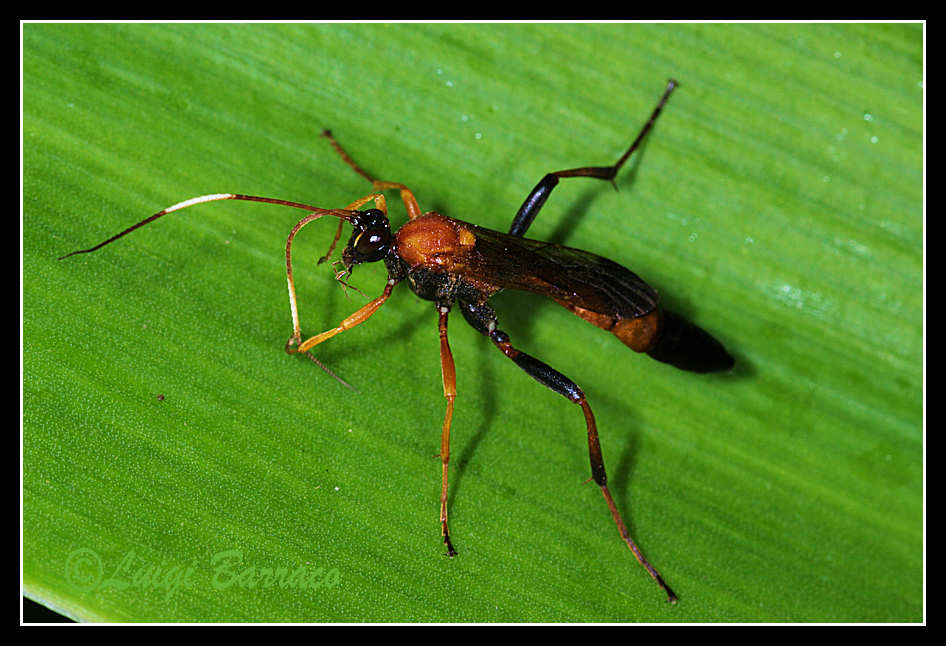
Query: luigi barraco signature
[[86, 572]]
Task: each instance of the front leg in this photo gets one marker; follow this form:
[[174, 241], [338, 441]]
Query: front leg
[[295, 344], [410, 202]]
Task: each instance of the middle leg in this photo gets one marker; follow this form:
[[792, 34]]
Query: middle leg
[[449, 372]]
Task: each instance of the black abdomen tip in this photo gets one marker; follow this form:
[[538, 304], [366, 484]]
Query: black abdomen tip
[[689, 347]]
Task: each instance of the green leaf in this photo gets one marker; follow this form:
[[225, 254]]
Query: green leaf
[[169, 442]]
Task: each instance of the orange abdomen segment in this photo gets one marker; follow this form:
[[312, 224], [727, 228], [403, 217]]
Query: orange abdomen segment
[[639, 334]]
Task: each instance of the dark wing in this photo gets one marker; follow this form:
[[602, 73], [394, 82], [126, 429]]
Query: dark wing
[[569, 276]]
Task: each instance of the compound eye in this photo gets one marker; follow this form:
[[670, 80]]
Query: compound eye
[[373, 243]]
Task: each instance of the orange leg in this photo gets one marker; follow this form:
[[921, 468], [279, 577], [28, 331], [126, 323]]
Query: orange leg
[[358, 317], [449, 372], [410, 202], [296, 338]]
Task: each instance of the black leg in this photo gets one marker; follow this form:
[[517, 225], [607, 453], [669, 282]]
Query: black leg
[[530, 208], [548, 376], [482, 317]]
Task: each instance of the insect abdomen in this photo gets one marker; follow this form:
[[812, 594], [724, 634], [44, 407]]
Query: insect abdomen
[[664, 336]]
